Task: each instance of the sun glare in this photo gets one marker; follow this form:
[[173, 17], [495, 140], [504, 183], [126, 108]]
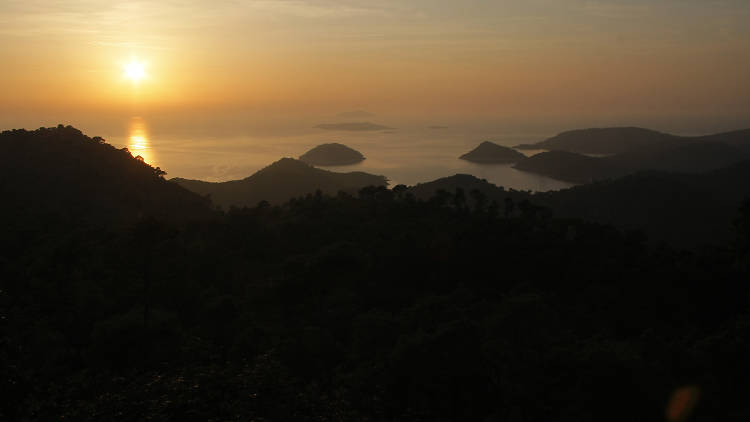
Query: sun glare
[[135, 70]]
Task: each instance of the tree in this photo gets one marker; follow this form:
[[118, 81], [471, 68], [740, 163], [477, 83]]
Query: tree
[[509, 207], [480, 200]]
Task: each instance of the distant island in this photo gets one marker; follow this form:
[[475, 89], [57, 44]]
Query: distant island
[[333, 154], [285, 179], [492, 153], [355, 127], [438, 127]]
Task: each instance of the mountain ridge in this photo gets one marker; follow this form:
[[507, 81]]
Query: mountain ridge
[[279, 182]]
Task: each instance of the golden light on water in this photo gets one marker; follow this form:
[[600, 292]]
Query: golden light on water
[[138, 141]]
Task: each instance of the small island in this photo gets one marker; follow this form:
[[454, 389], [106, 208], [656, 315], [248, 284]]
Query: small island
[[492, 153], [333, 154]]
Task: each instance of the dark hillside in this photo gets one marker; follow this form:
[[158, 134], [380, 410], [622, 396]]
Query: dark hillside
[[377, 307], [684, 210], [62, 172], [285, 179], [374, 306], [570, 166]]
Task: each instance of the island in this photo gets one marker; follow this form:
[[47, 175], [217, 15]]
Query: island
[[333, 154], [492, 153]]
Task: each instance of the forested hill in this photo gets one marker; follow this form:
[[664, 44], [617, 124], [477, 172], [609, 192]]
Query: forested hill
[[685, 210], [373, 306], [369, 307], [285, 179], [682, 209], [64, 174]]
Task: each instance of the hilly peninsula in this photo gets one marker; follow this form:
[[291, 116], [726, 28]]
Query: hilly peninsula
[[333, 154], [491, 153], [283, 180], [630, 154], [617, 140]]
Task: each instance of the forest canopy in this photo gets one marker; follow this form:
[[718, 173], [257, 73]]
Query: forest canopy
[[376, 305]]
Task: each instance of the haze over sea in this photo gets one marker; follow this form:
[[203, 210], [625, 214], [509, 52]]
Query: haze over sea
[[407, 155], [410, 152]]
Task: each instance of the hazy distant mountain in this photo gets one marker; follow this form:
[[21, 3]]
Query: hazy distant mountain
[[681, 156], [358, 114], [601, 141], [438, 127], [63, 174], [357, 126], [492, 153], [279, 182], [625, 139], [333, 154]]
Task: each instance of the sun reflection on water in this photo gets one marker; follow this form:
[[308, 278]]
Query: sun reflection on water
[[138, 142]]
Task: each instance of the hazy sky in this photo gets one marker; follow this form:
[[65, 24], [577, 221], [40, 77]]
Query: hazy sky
[[444, 57]]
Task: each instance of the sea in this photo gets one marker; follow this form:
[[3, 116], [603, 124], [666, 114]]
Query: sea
[[408, 154]]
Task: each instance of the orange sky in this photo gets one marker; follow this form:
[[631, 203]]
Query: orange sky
[[423, 57]]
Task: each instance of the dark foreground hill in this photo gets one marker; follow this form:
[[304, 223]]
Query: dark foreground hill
[[285, 179], [377, 306], [492, 153], [333, 154], [66, 175], [682, 209]]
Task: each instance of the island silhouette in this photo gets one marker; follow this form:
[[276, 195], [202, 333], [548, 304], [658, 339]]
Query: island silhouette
[[333, 154], [491, 153]]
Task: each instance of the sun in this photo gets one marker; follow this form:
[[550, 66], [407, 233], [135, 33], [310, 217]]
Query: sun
[[135, 70]]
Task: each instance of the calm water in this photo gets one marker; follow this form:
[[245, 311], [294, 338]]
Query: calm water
[[407, 155]]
